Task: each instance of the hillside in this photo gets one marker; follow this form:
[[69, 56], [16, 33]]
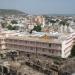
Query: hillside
[[11, 12]]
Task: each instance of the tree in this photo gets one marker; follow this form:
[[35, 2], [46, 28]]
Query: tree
[[67, 24], [4, 24], [0, 68], [37, 28], [31, 31], [62, 23], [14, 22], [5, 70], [52, 21], [15, 28], [57, 20], [9, 27], [73, 51], [12, 55]]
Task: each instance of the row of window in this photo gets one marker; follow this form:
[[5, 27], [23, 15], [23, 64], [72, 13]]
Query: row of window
[[35, 49], [39, 44]]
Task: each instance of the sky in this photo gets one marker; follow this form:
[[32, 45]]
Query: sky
[[40, 6]]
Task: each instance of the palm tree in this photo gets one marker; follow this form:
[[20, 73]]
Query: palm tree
[[63, 22], [67, 24], [53, 22]]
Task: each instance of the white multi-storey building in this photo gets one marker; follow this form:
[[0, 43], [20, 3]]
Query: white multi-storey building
[[49, 44]]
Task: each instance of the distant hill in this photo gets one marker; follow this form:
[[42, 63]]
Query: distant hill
[[11, 12], [59, 14]]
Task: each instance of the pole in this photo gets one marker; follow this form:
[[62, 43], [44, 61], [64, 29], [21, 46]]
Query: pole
[[2, 71], [36, 49]]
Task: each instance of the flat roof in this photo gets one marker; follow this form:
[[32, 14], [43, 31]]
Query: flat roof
[[37, 36], [32, 37]]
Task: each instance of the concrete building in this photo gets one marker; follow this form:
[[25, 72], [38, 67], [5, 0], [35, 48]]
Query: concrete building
[[50, 44]]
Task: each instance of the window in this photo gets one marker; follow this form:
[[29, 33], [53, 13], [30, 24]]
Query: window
[[49, 51], [43, 49], [49, 44]]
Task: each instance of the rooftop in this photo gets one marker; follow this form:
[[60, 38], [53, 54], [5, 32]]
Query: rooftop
[[52, 37]]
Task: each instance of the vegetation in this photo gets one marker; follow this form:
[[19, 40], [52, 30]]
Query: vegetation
[[64, 22], [5, 70], [3, 25], [12, 55], [15, 28], [30, 31], [67, 24], [10, 12], [37, 28], [73, 52], [52, 21], [14, 22], [10, 27], [1, 55]]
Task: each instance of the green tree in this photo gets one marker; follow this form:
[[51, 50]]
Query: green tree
[[15, 28], [67, 24], [37, 28], [9, 27], [14, 22], [57, 20], [62, 23], [53, 22], [31, 31], [3, 25], [73, 51]]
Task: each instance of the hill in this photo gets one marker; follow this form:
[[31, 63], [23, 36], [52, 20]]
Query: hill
[[11, 12]]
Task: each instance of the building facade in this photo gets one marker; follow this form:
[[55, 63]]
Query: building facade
[[45, 44]]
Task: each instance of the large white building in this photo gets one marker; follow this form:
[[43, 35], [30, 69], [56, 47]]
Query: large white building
[[49, 44]]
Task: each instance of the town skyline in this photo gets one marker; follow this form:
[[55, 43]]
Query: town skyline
[[40, 6]]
